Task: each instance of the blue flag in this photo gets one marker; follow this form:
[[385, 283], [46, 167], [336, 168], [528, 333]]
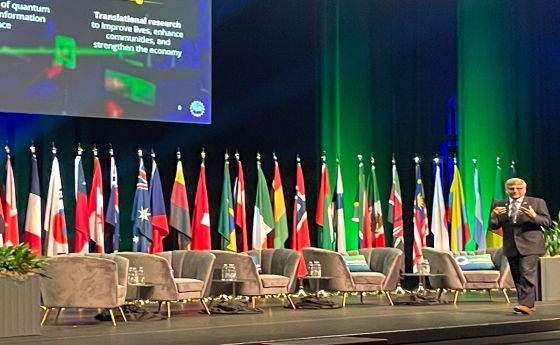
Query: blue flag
[[112, 215], [142, 227]]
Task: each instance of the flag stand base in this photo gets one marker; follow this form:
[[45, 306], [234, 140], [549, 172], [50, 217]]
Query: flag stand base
[[399, 290], [301, 292]]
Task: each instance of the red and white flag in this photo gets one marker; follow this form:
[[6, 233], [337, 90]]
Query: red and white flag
[[11, 231], [55, 221], [95, 207], [81, 224], [201, 213]]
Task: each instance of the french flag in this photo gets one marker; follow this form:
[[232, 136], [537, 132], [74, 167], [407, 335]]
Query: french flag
[[32, 234]]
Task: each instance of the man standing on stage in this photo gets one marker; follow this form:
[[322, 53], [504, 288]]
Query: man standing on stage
[[522, 218]]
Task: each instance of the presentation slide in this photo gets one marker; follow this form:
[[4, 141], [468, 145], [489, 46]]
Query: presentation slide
[[122, 59]]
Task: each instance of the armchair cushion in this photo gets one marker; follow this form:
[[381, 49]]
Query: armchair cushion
[[356, 263], [188, 284], [274, 280], [370, 278], [475, 262], [482, 276]]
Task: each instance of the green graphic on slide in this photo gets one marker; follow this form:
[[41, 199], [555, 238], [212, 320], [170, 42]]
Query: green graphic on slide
[[131, 87], [65, 51]]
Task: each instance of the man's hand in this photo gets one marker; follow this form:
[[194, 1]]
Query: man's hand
[[499, 210], [529, 211]]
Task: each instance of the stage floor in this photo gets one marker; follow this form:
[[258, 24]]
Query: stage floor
[[475, 316]]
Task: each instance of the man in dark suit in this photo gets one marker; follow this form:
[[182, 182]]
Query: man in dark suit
[[522, 218]]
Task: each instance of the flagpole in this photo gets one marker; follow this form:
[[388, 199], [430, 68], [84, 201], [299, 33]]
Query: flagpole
[[188, 246], [399, 289], [115, 239], [301, 292]]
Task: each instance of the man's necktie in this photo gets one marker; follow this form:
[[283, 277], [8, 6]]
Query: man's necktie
[[514, 210]]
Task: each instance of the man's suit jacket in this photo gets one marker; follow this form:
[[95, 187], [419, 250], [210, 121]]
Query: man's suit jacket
[[525, 235]]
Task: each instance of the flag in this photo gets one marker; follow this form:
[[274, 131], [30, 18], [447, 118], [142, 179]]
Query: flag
[[512, 170], [112, 215], [32, 234], [495, 237], [95, 207], [226, 222], [2, 223], [420, 215], [439, 218], [460, 233], [361, 209], [81, 222], [300, 233], [55, 222], [141, 213], [376, 214], [337, 210], [179, 215], [201, 214], [11, 230], [240, 210], [263, 219], [160, 228], [279, 209], [323, 216], [479, 235], [395, 210]]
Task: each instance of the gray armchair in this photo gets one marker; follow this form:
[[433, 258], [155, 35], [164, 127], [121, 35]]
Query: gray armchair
[[277, 277], [453, 278], [388, 261], [191, 268], [280, 262], [84, 282], [192, 271], [385, 265]]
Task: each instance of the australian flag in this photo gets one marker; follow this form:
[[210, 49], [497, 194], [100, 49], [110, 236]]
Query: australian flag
[[142, 227]]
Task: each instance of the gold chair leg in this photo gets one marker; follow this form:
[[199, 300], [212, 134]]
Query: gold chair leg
[[57, 314], [456, 296], [506, 295], [254, 301], [287, 296], [490, 294], [112, 317], [389, 298], [122, 313], [45, 316], [344, 295], [205, 306], [168, 309], [440, 292], [361, 298]]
